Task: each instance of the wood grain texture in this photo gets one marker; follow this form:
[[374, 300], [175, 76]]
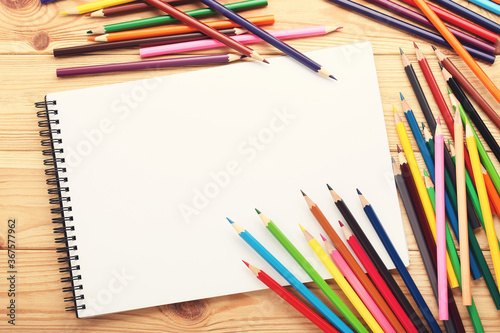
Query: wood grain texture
[[28, 34]]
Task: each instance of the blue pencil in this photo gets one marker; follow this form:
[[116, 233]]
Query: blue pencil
[[400, 266], [470, 15], [264, 35], [294, 282], [429, 162], [489, 5]]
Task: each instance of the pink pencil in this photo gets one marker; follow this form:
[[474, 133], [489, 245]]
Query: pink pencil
[[243, 39], [357, 286], [440, 222]]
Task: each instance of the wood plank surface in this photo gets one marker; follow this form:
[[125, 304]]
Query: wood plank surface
[[30, 31]]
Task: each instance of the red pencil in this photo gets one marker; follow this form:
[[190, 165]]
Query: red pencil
[[461, 23], [202, 27], [292, 300]]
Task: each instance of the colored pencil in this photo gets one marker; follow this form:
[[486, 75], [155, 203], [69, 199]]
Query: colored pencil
[[344, 267], [290, 299], [468, 87], [459, 48], [94, 5], [174, 30], [150, 64], [244, 39], [342, 282], [450, 175], [483, 200], [423, 235], [490, 188], [472, 113], [470, 15], [150, 41], [461, 23], [269, 38], [313, 274], [410, 28], [131, 7], [440, 222], [422, 192], [429, 162], [488, 5], [462, 210], [485, 158], [202, 27], [400, 266], [421, 19], [476, 322], [361, 275], [166, 19], [290, 278], [357, 286], [379, 273]]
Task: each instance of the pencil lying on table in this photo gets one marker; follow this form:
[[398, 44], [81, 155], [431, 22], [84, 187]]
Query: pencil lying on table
[[244, 39], [378, 272], [269, 38], [292, 300], [396, 259], [95, 5], [288, 276], [313, 274], [131, 7], [360, 274]]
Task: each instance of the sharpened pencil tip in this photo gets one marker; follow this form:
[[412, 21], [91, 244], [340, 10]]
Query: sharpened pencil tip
[[440, 66], [89, 32], [399, 149], [301, 227], [229, 220], [401, 95], [439, 120], [329, 187], [340, 222], [401, 51], [323, 238], [423, 126], [449, 90], [332, 77], [248, 265], [394, 109], [425, 173], [415, 45], [265, 61], [63, 13], [359, 192], [433, 47], [303, 193], [258, 211]]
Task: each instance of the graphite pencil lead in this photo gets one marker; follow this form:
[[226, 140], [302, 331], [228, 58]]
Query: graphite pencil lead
[[329, 187], [393, 160], [433, 47], [303, 193], [359, 192], [401, 51], [440, 66]]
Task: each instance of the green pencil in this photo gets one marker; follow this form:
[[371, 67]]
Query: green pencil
[[485, 159], [313, 274], [472, 309], [166, 19]]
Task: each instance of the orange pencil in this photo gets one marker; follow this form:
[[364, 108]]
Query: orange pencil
[[176, 29], [462, 52], [492, 192]]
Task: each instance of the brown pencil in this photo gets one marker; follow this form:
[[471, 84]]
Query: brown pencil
[[367, 283], [202, 27]]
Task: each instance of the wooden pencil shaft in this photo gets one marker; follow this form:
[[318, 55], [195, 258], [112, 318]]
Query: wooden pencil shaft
[[429, 263], [379, 264]]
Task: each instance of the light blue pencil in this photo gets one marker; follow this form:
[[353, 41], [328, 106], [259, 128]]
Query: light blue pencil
[[489, 5], [294, 282]]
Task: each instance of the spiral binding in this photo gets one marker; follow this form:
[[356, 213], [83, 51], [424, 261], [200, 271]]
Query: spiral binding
[[63, 211]]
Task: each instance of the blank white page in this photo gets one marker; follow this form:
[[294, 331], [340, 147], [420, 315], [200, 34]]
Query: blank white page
[[155, 166]]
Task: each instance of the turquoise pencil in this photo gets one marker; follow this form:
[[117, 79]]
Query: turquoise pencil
[[294, 282]]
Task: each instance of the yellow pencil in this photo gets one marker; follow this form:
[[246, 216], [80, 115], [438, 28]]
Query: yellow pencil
[[483, 200], [422, 192], [462, 210], [93, 6], [342, 282]]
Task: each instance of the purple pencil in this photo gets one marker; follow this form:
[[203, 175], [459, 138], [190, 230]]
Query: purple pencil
[[129, 66], [419, 18]]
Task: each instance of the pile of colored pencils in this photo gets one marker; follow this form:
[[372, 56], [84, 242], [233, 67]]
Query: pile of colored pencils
[[181, 31]]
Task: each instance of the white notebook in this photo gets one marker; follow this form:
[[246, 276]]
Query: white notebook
[[153, 167]]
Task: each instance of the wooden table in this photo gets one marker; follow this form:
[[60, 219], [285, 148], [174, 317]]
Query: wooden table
[[29, 31]]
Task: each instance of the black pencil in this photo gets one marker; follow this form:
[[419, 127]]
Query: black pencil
[[425, 243], [376, 260]]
